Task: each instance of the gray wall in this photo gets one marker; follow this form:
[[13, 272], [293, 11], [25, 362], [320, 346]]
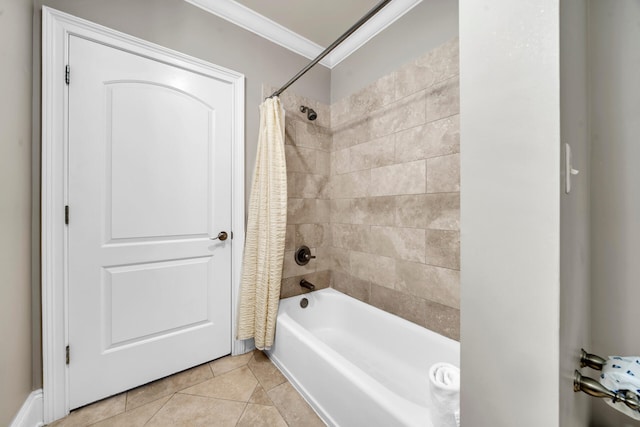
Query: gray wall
[[181, 26], [510, 212], [574, 210], [615, 202], [428, 25], [15, 205]]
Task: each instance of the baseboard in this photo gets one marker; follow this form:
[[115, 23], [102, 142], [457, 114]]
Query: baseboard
[[31, 414], [242, 346]]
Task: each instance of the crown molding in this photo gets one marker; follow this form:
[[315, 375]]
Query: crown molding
[[250, 20], [381, 20]]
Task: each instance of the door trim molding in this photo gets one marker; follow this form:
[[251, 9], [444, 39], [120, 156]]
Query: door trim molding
[[57, 27]]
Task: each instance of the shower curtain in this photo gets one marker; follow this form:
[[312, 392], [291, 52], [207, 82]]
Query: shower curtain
[[266, 228]]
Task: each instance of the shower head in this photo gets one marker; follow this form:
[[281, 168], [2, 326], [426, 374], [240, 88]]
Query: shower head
[[311, 115]]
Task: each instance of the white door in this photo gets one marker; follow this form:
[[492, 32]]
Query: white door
[[149, 166]]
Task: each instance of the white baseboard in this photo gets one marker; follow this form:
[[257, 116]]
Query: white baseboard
[[242, 346], [31, 414]]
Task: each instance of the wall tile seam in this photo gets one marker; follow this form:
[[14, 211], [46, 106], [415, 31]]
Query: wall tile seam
[[440, 118], [393, 75], [293, 120], [370, 113], [434, 83], [439, 156], [304, 198], [421, 194], [321, 175], [426, 300], [417, 297], [387, 225], [396, 258], [384, 109], [307, 148], [390, 226], [430, 301], [395, 163], [442, 192], [370, 282], [399, 164], [299, 118], [371, 117], [334, 150]]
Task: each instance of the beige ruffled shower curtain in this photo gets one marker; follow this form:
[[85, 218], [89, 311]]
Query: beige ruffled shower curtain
[[266, 228]]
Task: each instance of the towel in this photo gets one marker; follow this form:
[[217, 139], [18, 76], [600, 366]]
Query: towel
[[444, 385], [622, 373]]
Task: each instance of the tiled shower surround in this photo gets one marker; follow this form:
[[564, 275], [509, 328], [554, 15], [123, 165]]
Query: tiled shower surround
[[374, 190]]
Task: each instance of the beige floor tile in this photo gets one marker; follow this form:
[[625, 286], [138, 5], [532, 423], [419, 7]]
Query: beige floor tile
[[295, 410], [167, 386], [137, 417], [194, 411], [238, 384], [261, 416], [229, 363], [260, 397], [93, 413], [205, 399], [267, 374]]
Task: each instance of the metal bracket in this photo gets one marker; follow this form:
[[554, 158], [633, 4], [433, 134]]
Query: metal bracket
[[595, 389], [569, 170], [591, 360]]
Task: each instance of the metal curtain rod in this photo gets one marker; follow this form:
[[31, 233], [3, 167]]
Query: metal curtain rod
[[333, 45]]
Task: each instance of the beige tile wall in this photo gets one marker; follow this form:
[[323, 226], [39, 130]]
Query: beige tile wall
[[308, 153], [374, 191], [395, 192]]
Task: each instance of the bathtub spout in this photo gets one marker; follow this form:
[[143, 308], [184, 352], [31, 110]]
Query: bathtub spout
[[308, 285]]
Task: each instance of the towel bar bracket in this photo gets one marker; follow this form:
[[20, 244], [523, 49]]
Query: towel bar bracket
[[595, 389], [591, 360]]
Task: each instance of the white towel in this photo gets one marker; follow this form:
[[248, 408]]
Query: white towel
[[622, 373], [444, 385]]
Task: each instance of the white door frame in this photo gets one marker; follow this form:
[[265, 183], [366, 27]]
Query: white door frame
[[57, 27]]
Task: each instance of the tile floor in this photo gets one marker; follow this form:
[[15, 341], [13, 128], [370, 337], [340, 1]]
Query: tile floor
[[242, 391]]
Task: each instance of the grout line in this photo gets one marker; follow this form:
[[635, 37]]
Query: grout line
[[246, 405], [159, 409], [212, 397], [275, 405]]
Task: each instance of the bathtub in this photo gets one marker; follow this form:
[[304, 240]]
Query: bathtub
[[357, 365]]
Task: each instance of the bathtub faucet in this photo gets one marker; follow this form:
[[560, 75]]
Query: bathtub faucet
[[308, 285]]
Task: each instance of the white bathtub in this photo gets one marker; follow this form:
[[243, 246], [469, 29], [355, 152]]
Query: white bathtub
[[355, 364]]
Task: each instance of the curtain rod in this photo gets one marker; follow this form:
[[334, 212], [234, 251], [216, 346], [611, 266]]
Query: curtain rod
[[333, 45]]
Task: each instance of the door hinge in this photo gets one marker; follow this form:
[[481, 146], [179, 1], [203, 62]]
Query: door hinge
[[67, 354], [67, 72], [232, 235], [66, 215]]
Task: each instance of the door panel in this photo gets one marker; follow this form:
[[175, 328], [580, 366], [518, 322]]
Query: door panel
[[149, 185], [154, 289], [147, 200]]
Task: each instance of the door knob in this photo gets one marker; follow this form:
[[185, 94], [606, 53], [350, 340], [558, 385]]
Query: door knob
[[221, 236]]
